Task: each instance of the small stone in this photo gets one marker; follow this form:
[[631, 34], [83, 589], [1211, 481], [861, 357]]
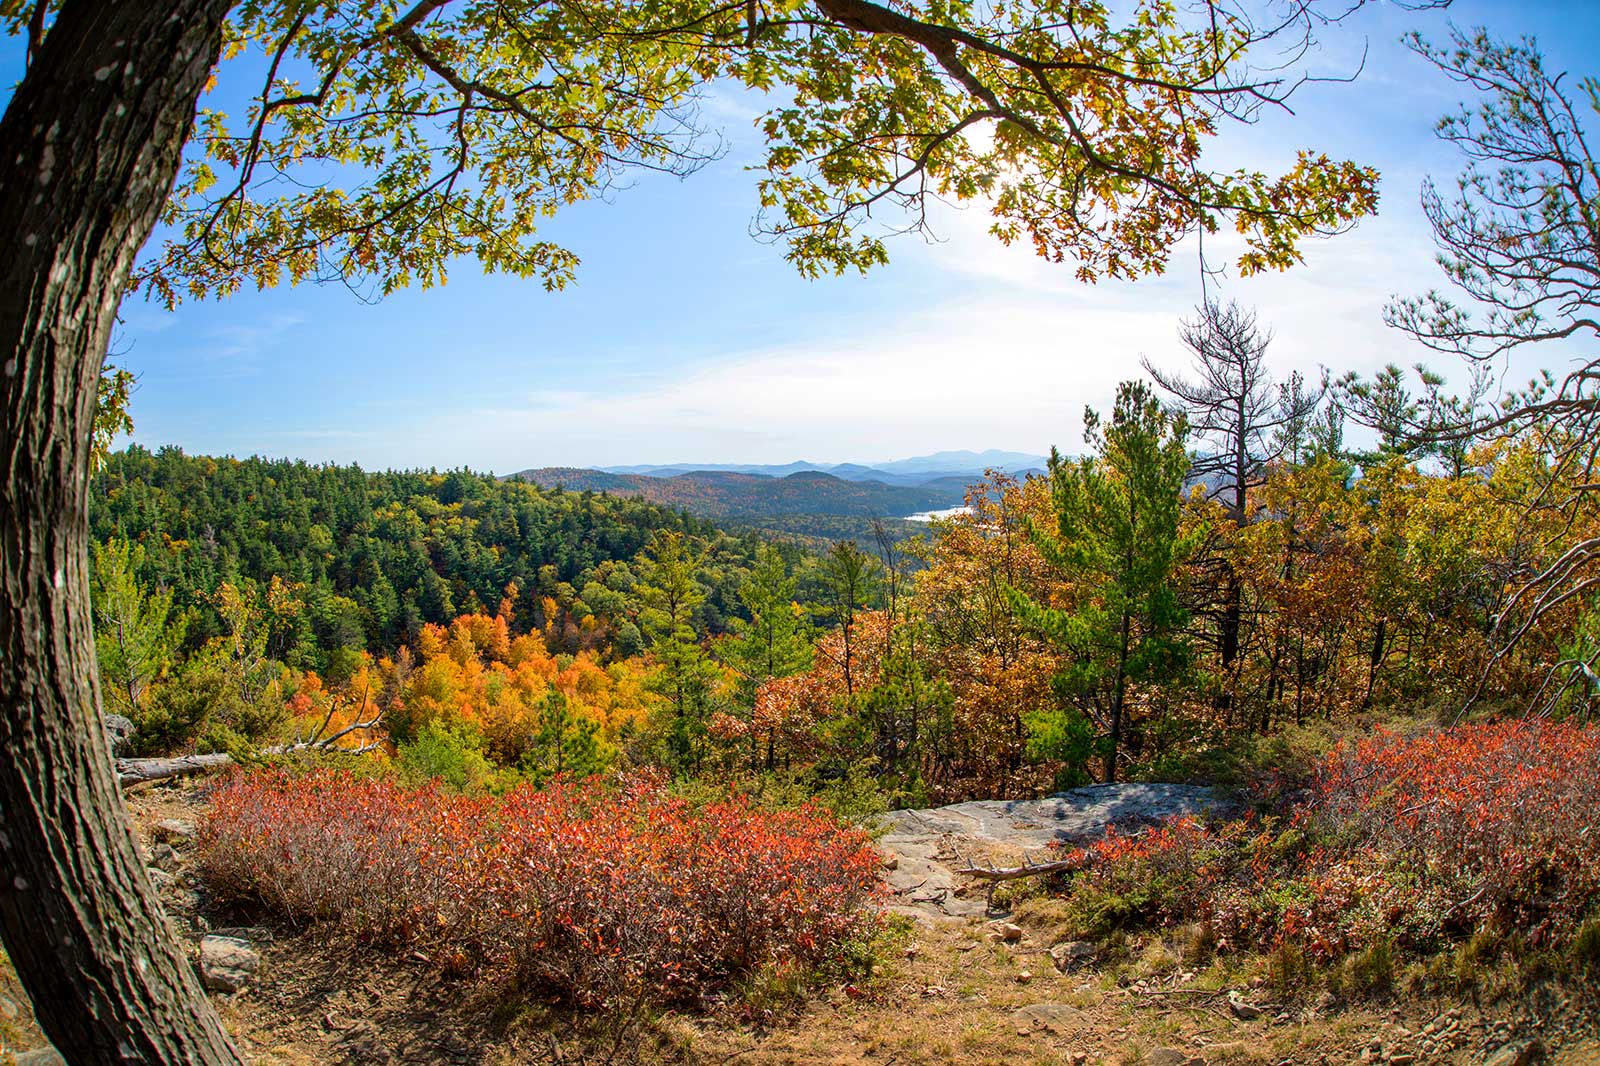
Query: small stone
[[1401, 1059], [1166, 1056], [164, 857], [1242, 1010], [173, 831], [1326, 1003], [227, 963], [1050, 1017], [1006, 932], [1520, 1053], [1024, 977], [9, 1010], [1072, 955], [891, 862]]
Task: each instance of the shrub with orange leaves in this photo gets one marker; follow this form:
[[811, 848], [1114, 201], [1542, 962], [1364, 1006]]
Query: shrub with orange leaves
[[598, 893], [1414, 840]]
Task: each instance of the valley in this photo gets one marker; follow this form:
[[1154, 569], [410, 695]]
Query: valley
[[802, 499]]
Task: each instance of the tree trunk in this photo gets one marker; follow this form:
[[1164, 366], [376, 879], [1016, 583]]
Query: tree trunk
[[1380, 639], [1118, 695], [1228, 642], [93, 137], [139, 771]]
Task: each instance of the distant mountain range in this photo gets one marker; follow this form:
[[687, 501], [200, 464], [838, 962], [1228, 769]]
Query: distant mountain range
[[918, 470], [807, 498], [735, 494]]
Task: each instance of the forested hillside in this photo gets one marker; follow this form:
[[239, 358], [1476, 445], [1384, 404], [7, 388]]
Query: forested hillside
[[808, 503], [373, 557]]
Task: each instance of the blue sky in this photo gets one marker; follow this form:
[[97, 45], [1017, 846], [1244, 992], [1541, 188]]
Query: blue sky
[[686, 340]]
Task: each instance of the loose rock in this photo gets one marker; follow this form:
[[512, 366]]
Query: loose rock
[[1166, 1056], [1006, 931], [1072, 955], [227, 963], [1050, 1017], [1242, 1010], [173, 831], [1520, 1053], [119, 733]]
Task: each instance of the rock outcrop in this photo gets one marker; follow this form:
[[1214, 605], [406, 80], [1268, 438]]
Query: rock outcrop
[[924, 849]]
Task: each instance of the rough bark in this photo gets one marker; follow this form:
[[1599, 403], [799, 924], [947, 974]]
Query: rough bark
[[92, 139]]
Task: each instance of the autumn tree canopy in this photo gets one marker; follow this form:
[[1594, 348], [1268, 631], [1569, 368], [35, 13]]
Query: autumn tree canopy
[[382, 142]]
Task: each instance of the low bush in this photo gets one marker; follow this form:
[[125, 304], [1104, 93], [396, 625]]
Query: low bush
[[600, 894], [1405, 843]]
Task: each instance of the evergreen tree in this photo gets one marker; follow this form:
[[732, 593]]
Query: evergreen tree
[[566, 742], [775, 642], [1118, 542], [137, 633], [670, 597], [847, 580]]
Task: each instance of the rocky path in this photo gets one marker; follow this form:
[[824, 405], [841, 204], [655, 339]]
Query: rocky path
[[924, 848]]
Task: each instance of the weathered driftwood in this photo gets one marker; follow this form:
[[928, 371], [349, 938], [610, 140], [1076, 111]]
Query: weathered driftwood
[[1030, 869]]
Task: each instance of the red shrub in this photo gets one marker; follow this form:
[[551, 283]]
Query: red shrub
[[1500, 820], [1412, 839], [592, 892]]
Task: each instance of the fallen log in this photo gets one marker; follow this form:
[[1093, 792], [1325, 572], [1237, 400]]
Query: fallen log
[[1032, 869], [138, 771], [132, 772]]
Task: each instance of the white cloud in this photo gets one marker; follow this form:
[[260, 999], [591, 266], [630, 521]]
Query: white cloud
[[1010, 362]]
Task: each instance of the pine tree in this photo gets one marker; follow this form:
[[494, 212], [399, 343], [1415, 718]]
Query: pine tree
[[670, 598], [567, 742], [775, 642], [137, 633], [1118, 542]]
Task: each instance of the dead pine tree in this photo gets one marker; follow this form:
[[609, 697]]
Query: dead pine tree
[[1237, 416]]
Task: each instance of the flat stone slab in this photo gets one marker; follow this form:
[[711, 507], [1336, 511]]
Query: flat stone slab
[[924, 843], [1048, 1017]]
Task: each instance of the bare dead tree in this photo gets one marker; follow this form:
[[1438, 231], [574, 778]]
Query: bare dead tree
[[1519, 241], [1243, 422]]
